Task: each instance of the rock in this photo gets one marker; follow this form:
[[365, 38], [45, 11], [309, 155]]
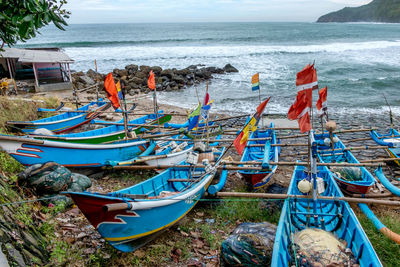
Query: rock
[[167, 73], [85, 80], [14, 255], [136, 80], [229, 68], [145, 69], [156, 69], [142, 75], [179, 79], [132, 68]]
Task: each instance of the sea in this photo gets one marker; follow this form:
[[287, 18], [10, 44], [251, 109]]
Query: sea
[[359, 62]]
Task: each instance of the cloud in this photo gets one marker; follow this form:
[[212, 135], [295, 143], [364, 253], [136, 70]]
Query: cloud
[[106, 11]]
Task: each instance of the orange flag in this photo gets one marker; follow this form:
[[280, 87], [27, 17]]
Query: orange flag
[[151, 82], [111, 90]]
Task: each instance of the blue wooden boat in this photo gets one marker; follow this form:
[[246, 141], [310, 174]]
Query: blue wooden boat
[[338, 155], [29, 151], [262, 154], [391, 140], [131, 217], [62, 122], [109, 133], [333, 216]]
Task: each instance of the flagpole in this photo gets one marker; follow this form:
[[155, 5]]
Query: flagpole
[[208, 128], [125, 113], [156, 108], [97, 88]]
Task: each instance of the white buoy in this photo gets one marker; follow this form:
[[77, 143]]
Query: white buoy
[[304, 186]]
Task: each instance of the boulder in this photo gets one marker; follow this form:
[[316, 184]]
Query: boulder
[[145, 69], [156, 69], [167, 73], [132, 68], [85, 80], [179, 79], [229, 68], [142, 75]]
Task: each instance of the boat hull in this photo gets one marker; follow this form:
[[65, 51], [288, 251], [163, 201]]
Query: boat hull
[[129, 228], [104, 135], [63, 122], [333, 216], [30, 151], [259, 179]]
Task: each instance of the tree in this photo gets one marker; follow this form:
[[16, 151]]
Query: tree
[[21, 20]]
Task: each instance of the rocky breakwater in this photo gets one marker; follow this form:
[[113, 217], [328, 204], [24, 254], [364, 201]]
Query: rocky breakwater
[[134, 77]]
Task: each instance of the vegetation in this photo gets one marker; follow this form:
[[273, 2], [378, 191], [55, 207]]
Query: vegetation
[[376, 11], [20, 20], [387, 250]]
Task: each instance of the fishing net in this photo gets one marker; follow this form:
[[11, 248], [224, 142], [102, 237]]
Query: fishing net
[[348, 173], [46, 178], [51, 178], [316, 247], [250, 244]]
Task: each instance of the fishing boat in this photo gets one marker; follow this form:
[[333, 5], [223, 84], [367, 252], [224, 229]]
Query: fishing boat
[[115, 131], [168, 153], [391, 140], [332, 216], [131, 217], [29, 151], [62, 122], [262, 152], [358, 179]]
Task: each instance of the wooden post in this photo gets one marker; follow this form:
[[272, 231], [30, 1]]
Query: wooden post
[[36, 76]]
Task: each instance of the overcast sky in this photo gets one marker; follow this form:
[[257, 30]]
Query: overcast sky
[[123, 11]]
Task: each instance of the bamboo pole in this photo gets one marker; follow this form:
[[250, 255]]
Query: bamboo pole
[[285, 196], [230, 167], [358, 139], [347, 149], [379, 160], [214, 140]]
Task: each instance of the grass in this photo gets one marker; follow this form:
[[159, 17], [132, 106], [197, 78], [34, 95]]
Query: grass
[[387, 250]]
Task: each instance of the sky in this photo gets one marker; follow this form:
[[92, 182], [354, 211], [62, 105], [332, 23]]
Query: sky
[[130, 11]]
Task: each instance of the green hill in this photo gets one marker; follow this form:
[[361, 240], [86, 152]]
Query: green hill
[[376, 11]]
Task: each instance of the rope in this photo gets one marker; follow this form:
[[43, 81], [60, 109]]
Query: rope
[[27, 201]]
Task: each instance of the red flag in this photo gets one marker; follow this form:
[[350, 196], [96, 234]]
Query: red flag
[[238, 145], [323, 93], [306, 81], [151, 82], [261, 107], [111, 90], [241, 140]]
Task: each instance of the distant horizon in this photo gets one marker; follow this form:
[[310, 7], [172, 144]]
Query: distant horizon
[[213, 11]]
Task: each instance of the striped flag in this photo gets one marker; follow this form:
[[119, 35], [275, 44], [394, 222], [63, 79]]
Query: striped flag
[[119, 91], [255, 82], [306, 81]]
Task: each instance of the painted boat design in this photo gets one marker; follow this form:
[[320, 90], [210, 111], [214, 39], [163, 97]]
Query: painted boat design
[[63, 122], [131, 217], [333, 216], [262, 154], [339, 154], [29, 151]]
